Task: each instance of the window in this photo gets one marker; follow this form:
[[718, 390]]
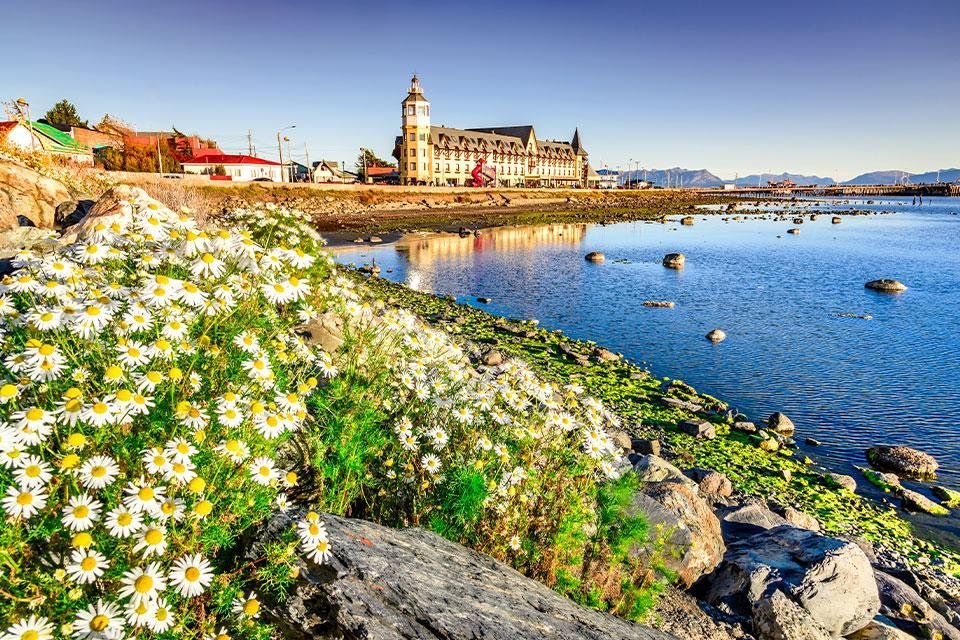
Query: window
[[447, 167], [413, 166], [423, 152], [424, 166], [411, 110], [423, 137], [412, 137], [413, 153], [436, 166]]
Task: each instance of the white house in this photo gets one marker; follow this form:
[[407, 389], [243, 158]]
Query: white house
[[41, 137], [239, 168]]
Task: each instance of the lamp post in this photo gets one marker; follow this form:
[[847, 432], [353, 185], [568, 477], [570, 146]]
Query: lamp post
[[280, 149], [24, 106]]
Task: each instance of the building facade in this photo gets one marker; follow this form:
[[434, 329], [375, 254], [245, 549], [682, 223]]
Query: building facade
[[239, 168], [41, 137], [486, 156]]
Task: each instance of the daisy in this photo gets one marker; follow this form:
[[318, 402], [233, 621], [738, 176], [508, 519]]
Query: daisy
[[247, 342], [258, 369], [86, 565], [142, 496], [180, 472], [279, 292], [98, 414], [156, 460], [90, 321], [98, 472], [431, 463], [148, 381], [21, 502], [160, 618], [81, 512], [122, 522], [33, 424], [190, 575], [207, 266], [171, 509], [45, 319], [221, 634], [263, 471], [138, 613], [33, 628], [310, 531], [8, 392], [180, 449], [247, 606], [229, 416], [318, 551], [100, 621], [236, 450], [32, 472], [143, 584], [132, 353]]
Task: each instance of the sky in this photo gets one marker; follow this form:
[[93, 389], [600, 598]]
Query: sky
[[827, 88]]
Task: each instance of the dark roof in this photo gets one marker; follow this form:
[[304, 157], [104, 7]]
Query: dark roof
[[415, 97], [523, 132], [575, 143]]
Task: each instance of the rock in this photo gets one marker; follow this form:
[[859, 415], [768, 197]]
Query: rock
[[687, 221], [326, 330], [594, 256], [813, 442], [745, 426], [694, 545], [800, 519], [659, 304], [909, 611], [777, 617], [798, 221], [794, 231], [678, 612], [717, 335], [829, 578], [903, 461], [949, 497], [621, 439], [411, 584], [844, 481], [885, 285], [779, 423], [483, 300], [644, 446], [677, 403], [698, 429], [375, 240], [652, 468], [885, 481], [25, 192], [114, 207], [878, 631], [605, 355], [711, 482], [14, 240], [836, 220], [917, 502], [674, 260], [491, 358], [71, 212], [24, 221], [747, 519]]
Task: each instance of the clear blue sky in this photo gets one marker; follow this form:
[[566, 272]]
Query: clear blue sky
[[833, 88]]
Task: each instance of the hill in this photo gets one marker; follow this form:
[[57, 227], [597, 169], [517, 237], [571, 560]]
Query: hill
[[797, 178], [676, 177]]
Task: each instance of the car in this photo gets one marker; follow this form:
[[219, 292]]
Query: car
[[172, 176], [262, 180]]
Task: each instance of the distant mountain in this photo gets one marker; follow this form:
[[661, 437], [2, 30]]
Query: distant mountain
[[880, 177], [945, 175], [675, 177], [796, 178]]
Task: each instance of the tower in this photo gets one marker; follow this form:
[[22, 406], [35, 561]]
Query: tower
[[416, 164]]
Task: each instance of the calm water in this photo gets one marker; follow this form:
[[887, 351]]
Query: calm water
[[848, 382]]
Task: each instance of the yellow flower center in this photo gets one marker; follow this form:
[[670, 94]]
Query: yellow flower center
[[143, 584], [25, 498], [153, 537], [145, 494], [33, 471], [82, 540], [124, 395], [192, 574], [124, 519], [89, 563], [207, 258], [34, 414], [81, 511], [98, 471], [46, 349], [251, 607], [8, 391], [99, 622]]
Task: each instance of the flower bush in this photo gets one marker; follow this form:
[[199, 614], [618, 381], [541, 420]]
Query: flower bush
[[160, 399]]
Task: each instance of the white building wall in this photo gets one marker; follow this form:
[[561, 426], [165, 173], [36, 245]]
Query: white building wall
[[238, 172]]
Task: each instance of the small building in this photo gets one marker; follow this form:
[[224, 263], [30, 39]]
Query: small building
[[45, 138], [296, 172], [331, 171], [608, 178], [235, 167], [383, 175]]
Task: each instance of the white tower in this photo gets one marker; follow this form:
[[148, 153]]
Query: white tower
[[416, 164]]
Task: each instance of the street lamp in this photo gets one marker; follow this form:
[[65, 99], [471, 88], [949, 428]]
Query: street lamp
[[280, 148], [23, 107]]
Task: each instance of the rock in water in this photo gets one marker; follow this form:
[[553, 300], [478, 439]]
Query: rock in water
[[794, 231], [674, 260], [836, 220], [687, 221], [717, 335], [410, 584], [659, 304], [595, 256], [886, 285], [779, 423], [829, 578], [904, 461]]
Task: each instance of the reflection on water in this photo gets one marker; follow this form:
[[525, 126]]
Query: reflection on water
[[848, 382]]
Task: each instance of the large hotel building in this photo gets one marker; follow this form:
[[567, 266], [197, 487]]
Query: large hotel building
[[496, 156]]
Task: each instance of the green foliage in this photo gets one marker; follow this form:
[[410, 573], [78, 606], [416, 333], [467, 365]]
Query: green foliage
[[64, 112]]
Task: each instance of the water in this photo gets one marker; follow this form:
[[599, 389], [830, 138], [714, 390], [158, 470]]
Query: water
[[848, 382]]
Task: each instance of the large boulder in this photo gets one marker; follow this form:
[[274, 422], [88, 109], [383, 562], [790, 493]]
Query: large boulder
[[389, 584], [903, 461], [910, 611], [24, 192], [748, 518], [653, 468], [326, 330], [14, 240], [829, 578], [779, 423], [694, 544], [114, 209], [777, 617], [712, 483], [877, 630]]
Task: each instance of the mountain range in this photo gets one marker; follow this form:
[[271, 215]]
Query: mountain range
[[677, 177]]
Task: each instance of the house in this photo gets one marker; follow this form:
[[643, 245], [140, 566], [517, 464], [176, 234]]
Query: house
[[236, 167], [383, 175], [296, 172], [331, 171], [609, 178], [43, 137]]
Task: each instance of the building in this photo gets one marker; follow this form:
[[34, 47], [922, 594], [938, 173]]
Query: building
[[382, 175], [331, 171], [498, 156], [43, 137], [186, 147], [609, 178], [236, 167]]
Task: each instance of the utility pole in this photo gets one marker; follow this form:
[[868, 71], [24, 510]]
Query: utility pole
[[250, 142], [159, 157], [280, 149], [307, 153], [363, 154]]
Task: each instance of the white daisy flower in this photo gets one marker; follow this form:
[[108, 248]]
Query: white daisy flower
[[32, 472], [100, 621], [86, 565], [81, 512], [190, 575], [32, 628], [143, 584], [263, 470], [98, 472], [20, 502]]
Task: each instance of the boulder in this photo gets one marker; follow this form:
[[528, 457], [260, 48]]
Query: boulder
[[491, 358], [674, 260], [845, 481], [621, 439], [949, 497], [716, 335], [909, 611], [747, 519], [25, 192], [800, 519], [779, 423], [680, 613], [777, 617], [698, 429], [794, 231], [903, 461], [836, 220], [326, 330], [14, 240], [886, 285], [829, 578], [605, 355], [375, 240], [687, 221], [712, 483], [877, 630], [677, 403], [745, 426], [594, 256], [653, 468], [646, 446], [483, 300], [411, 584], [71, 212], [917, 502], [114, 208], [693, 544]]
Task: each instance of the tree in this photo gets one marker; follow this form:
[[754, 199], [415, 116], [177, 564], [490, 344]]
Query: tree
[[65, 113], [368, 158]]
